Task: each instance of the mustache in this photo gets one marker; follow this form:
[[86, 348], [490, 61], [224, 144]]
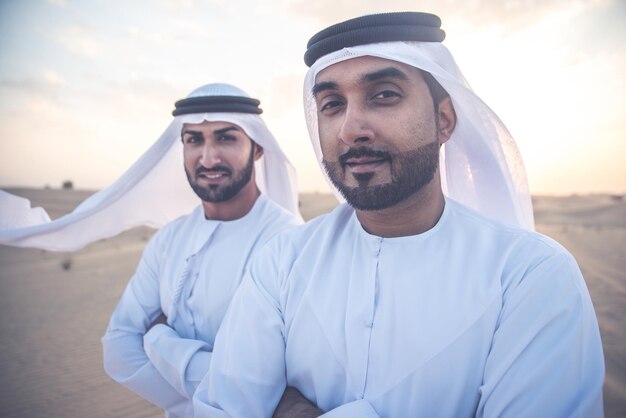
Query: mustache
[[217, 168], [363, 152]]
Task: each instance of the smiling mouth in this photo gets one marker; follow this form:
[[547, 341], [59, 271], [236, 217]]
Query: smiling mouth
[[212, 175]]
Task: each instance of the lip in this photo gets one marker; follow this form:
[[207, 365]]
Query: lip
[[364, 164], [213, 177]]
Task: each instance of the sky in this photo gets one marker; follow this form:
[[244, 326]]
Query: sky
[[87, 86]]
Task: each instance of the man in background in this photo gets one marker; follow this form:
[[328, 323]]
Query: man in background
[[161, 334]]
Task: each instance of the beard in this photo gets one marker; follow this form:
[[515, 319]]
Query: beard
[[410, 172], [215, 193]]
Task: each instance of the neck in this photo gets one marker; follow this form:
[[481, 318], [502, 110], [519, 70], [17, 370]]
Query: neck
[[235, 208], [416, 214]]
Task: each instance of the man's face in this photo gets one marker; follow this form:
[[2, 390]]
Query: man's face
[[378, 130], [219, 159]]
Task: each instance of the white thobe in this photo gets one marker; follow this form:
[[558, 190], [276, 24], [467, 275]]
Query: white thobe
[[189, 271], [470, 318]]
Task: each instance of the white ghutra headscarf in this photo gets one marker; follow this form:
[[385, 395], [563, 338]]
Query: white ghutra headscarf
[[481, 165], [152, 192]]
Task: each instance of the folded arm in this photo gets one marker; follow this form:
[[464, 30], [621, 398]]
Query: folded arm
[[125, 360], [182, 362]]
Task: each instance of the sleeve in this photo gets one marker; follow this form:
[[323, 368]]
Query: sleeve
[[182, 362], [125, 360], [359, 408], [247, 373], [546, 357]]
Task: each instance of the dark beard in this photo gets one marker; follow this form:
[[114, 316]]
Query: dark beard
[[215, 194], [410, 171]]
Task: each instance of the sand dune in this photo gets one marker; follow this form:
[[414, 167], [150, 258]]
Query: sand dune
[[55, 306]]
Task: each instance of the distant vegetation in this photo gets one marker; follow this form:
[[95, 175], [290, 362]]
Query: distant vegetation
[[68, 185]]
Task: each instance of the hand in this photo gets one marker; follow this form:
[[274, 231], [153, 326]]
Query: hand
[[161, 319], [294, 405]]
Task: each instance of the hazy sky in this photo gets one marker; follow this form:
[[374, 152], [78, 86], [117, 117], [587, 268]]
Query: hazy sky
[[86, 86]]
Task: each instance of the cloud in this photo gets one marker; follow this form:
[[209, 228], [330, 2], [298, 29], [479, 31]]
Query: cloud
[[510, 15], [154, 39], [98, 128], [128, 99], [280, 95], [81, 41], [218, 6], [53, 78], [16, 92], [331, 11], [180, 4]]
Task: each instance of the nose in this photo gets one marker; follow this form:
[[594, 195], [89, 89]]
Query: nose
[[355, 128], [210, 156]]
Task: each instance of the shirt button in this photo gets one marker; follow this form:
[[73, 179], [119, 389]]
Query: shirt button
[[369, 323]]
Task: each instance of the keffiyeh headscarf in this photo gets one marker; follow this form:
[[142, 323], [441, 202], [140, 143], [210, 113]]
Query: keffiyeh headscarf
[[481, 165], [154, 190]]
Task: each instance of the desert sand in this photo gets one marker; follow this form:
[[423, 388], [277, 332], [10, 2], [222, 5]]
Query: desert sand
[[55, 306]]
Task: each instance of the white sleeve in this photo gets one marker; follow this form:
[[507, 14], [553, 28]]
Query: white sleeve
[[125, 360], [546, 357], [181, 362], [359, 408], [247, 373]]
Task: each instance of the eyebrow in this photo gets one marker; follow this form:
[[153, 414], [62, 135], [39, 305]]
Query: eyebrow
[[324, 85], [389, 72], [190, 132], [226, 129], [216, 132]]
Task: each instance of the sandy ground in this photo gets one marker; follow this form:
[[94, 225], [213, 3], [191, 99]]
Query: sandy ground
[[593, 229], [55, 306]]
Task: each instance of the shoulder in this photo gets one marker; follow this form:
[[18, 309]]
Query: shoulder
[[519, 251], [274, 214], [179, 226], [472, 222], [269, 219]]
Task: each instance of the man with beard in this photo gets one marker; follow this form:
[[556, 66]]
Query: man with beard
[[427, 294], [161, 334]]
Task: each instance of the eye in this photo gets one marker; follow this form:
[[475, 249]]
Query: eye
[[329, 104], [193, 139], [226, 138], [385, 94]]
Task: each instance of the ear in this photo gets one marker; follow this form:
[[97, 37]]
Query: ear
[[258, 151], [446, 120]]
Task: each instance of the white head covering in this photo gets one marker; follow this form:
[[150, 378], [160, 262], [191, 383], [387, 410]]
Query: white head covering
[[481, 166], [152, 192]]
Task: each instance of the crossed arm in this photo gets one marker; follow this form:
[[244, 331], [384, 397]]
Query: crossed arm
[[546, 353], [147, 356], [138, 348]]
